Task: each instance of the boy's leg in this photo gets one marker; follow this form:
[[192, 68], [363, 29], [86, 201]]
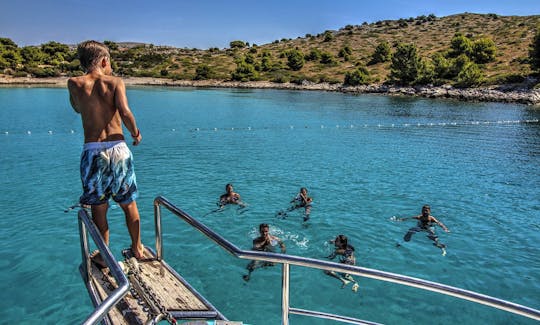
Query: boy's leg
[[99, 216], [409, 233], [133, 223]]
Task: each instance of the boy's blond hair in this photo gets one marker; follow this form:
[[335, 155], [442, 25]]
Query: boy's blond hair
[[90, 52]]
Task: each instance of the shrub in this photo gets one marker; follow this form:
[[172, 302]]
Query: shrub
[[237, 44], [405, 64], [469, 76], [244, 72], [360, 76], [295, 60], [381, 54], [483, 50], [203, 72], [314, 55]]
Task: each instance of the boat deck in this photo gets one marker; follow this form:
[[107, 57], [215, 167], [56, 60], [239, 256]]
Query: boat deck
[[168, 288]]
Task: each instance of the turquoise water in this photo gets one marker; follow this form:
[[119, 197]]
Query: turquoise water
[[364, 159]]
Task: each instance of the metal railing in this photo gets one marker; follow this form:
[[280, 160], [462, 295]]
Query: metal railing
[[103, 308], [287, 260]]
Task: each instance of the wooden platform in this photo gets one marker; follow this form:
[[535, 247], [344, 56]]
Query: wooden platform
[[174, 293]]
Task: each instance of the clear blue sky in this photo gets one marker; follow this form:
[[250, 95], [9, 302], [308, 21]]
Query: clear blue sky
[[204, 23]]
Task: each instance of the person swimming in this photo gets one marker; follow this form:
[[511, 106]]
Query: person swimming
[[265, 243], [426, 223], [301, 200], [346, 252]]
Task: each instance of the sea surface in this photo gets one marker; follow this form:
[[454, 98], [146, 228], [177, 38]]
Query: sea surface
[[363, 159]]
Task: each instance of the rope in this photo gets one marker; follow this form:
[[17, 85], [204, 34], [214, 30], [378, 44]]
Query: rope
[[322, 127]]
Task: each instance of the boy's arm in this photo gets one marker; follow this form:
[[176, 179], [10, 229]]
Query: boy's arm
[[71, 87], [121, 103], [440, 224]]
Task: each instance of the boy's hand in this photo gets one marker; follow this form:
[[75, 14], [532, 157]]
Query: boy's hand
[[137, 138]]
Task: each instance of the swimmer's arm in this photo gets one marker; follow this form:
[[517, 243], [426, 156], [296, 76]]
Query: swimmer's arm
[[403, 219], [121, 103], [441, 224], [282, 246]]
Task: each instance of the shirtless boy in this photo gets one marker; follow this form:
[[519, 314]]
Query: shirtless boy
[[265, 243], [106, 161], [425, 223]]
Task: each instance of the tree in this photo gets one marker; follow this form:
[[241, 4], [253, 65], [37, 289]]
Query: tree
[[534, 52], [111, 45], [483, 50], [237, 44], [360, 76], [203, 72], [405, 64], [381, 54], [295, 60], [327, 58], [328, 36], [470, 76], [32, 55], [460, 45], [314, 55], [441, 66], [244, 72], [345, 53], [7, 43]]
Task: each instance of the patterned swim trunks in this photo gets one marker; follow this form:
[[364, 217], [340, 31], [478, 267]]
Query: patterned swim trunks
[[107, 171]]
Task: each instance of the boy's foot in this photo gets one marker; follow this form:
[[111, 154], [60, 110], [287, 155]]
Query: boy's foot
[[345, 282], [349, 277], [245, 277], [443, 251], [98, 260], [138, 253], [355, 287]]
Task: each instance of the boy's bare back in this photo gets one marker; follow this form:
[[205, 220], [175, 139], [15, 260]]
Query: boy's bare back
[[101, 100]]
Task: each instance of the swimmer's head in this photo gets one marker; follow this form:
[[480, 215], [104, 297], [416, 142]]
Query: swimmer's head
[[229, 188], [264, 228], [303, 190], [426, 210], [340, 241]]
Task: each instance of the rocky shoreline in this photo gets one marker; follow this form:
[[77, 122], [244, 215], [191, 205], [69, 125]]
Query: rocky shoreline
[[486, 94]]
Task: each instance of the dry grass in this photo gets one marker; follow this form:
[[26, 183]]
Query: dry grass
[[512, 36]]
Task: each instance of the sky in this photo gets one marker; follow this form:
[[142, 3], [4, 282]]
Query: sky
[[204, 23]]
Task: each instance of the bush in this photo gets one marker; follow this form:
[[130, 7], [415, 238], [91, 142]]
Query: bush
[[381, 54], [327, 58], [405, 65], [314, 55], [469, 76], [360, 76], [483, 51], [295, 60], [237, 44], [244, 72], [203, 72]]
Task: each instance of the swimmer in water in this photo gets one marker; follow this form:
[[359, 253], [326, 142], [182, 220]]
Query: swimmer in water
[[301, 200], [425, 223], [230, 197], [346, 252], [264, 243]]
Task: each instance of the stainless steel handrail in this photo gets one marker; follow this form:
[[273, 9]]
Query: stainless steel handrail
[[287, 260], [123, 283]]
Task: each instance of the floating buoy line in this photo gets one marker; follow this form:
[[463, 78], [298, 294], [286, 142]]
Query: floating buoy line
[[322, 126]]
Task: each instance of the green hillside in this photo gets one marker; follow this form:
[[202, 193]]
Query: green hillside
[[498, 51]]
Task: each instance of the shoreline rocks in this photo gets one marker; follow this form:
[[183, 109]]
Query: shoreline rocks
[[485, 94]]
